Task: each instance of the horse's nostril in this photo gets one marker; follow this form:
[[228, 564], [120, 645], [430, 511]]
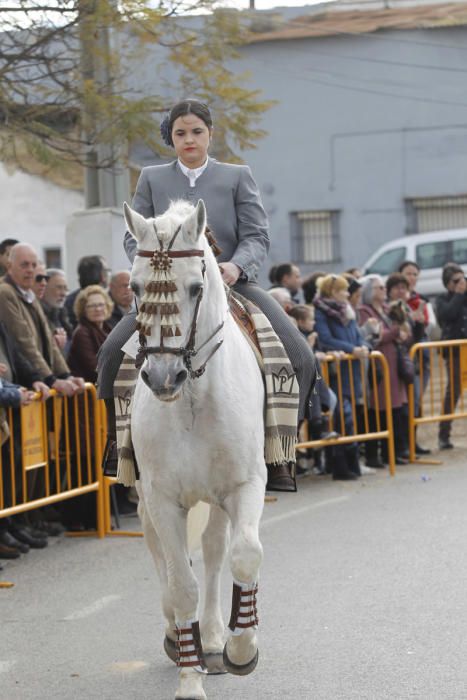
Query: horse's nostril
[[181, 376], [144, 376]]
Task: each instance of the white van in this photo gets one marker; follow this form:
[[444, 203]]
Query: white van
[[429, 250]]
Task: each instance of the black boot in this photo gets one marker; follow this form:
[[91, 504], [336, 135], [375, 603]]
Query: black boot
[[110, 456], [352, 457], [281, 477], [340, 468]]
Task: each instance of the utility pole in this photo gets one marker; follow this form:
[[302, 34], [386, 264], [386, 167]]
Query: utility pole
[[99, 228], [106, 186]]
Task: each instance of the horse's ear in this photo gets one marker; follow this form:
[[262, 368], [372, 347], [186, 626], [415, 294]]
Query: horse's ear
[[136, 223], [196, 222]]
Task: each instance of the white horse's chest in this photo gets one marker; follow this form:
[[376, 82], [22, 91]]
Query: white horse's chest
[[205, 443]]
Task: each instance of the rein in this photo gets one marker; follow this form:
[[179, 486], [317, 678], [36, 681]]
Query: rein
[[160, 261]]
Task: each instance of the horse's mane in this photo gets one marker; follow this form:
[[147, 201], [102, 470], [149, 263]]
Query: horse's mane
[[181, 209]]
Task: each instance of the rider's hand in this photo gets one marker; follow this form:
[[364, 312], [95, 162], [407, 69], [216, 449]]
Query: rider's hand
[[230, 273], [42, 389]]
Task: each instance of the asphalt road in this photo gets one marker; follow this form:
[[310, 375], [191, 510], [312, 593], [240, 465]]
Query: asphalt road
[[362, 596]]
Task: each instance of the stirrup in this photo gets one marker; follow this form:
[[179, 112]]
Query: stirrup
[[110, 458], [281, 477]]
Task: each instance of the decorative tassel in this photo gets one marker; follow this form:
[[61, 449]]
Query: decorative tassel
[[126, 474]]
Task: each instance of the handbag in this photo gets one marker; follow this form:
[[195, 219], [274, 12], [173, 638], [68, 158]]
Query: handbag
[[405, 365]]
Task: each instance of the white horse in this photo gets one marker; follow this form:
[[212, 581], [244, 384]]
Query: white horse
[[197, 436]]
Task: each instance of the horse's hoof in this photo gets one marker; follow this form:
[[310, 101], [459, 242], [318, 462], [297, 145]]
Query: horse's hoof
[[170, 649], [243, 669], [215, 664]]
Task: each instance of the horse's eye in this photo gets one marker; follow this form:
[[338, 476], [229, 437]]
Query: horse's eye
[[135, 288], [195, 289]]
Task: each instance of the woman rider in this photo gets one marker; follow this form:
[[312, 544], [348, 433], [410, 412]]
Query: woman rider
[[239, 223]]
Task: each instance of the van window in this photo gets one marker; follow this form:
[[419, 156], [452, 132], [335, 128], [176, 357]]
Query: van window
[[459, 251], [387, 262], [430, 255]]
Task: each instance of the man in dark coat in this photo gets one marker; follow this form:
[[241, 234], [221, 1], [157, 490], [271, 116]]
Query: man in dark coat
[[451, 311]]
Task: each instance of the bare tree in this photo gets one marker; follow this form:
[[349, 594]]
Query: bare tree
[[67, 76]]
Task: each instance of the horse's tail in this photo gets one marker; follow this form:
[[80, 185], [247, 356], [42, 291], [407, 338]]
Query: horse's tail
[[198, 517]]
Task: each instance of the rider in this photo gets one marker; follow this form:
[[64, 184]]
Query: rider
[[239, 223]]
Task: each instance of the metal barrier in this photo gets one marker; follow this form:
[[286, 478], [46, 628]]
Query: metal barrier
[[370, 380], [442, 379], [53, 453]]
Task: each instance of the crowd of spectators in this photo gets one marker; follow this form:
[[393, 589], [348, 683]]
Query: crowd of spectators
[[347, 313], [49, 339]]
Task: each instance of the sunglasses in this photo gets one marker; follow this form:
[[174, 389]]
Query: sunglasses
[[42, 278]]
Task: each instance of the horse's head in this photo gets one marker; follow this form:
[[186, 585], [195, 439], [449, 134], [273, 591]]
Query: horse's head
[[168, 277]]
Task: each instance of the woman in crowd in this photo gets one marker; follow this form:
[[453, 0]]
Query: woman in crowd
[[92, 307], [422, 311], [374, 306], [338, 331], [238, 220]]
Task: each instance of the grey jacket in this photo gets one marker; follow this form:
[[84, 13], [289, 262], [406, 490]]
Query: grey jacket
[[235, 212]]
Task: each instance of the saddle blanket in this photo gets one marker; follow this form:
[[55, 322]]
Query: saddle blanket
[[281, 390]]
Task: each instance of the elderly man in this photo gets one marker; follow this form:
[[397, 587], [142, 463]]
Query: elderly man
[[53, 305], [24, 319], [122, 296]]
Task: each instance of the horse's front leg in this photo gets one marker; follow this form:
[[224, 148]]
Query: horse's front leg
[[169, 520], [215, 544], [154, 546], [244, 507]]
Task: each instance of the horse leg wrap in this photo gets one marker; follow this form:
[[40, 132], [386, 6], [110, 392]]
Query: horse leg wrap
[[244, 613], [189, 648]]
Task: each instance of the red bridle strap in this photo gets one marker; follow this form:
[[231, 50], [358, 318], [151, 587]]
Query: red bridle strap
[[191, 253]]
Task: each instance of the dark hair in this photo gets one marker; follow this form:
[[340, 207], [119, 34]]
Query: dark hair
[[7, 243], [351, 271], [278, 272], [394, 280], [407, 263], [181, 109], [354, 284], [309, 286], [449, 270], [90, 269]]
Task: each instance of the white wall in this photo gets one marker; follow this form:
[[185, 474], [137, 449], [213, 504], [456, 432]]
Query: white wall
[[36, 211]]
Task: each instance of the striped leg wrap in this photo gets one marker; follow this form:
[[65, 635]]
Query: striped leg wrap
[[189, 648], [244, 613]]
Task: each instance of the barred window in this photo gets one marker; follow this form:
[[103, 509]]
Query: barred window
[[436, 213], [315, 237], [53, 257]]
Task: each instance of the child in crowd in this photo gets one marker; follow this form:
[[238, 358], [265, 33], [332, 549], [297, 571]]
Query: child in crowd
[[325, 400]]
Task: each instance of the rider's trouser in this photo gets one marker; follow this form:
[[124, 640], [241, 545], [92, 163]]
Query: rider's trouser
[[299, 352]]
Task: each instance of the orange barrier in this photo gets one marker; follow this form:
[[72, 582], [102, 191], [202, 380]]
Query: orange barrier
[[368, 372], [53, 453], [442, 366]]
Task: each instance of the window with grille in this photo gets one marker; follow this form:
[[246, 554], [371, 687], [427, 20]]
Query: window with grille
[[316, 237], [436, 213], [53, 257]]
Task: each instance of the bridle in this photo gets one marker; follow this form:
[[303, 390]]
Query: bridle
[[161, 260]]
